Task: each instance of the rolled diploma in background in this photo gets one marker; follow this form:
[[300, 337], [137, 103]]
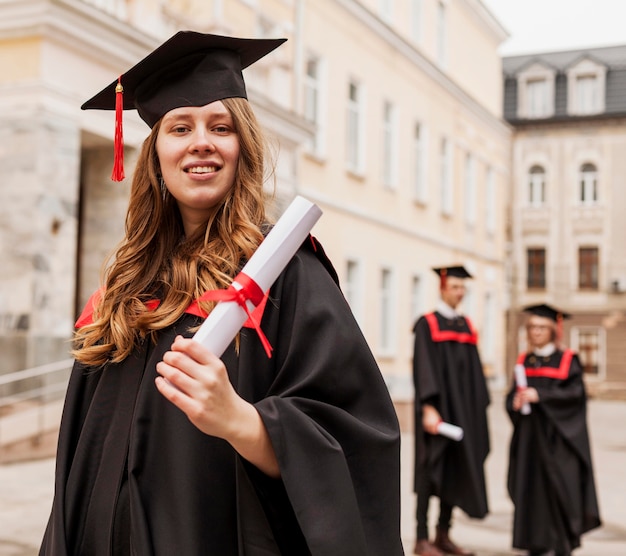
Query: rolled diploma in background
[[521, 382], [264, 266], [450, 431]]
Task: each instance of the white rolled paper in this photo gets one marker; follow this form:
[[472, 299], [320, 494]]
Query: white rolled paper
[[450, 431], [266, 263], [521, 382]]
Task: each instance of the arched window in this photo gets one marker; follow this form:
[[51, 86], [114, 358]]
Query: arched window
[[537, 186], [588, 192]]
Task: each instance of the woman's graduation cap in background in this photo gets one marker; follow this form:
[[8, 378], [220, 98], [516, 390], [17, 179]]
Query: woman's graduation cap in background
[[457, 271], [189, 69], [547, 311]]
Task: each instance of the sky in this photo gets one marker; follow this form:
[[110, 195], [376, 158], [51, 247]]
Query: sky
[[548, 25]]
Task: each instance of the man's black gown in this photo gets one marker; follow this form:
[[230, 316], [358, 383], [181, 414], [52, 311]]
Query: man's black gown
[[131, 465], [550, 477], [448, 374]]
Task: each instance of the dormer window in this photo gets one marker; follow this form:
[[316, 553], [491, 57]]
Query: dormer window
[[535, 87], [586, 82]]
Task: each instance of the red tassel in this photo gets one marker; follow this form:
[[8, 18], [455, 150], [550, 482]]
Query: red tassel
[[442, 278], [118, 146]]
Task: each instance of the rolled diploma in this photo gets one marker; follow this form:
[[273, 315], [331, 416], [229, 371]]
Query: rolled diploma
[[521, 382], [266, 263], [450, 431]]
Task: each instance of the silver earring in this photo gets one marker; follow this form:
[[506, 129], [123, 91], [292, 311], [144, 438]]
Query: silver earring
[[163, 187]]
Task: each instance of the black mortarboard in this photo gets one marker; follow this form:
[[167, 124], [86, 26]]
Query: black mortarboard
[[544, 310], [189, 69], [456, 271]]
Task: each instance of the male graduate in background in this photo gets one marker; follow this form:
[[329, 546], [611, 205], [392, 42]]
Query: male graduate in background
[[550, 478], [449, 387]]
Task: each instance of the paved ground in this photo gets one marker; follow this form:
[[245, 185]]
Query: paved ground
[[26, 491]]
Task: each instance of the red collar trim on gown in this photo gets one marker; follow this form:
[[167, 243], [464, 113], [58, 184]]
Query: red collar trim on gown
[[86, 317], [561, 372], [450, 335]]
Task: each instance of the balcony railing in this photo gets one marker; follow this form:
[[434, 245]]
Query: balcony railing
[[31, 401]]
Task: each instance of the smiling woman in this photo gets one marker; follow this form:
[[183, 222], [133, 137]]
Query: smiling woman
[[165, 448]]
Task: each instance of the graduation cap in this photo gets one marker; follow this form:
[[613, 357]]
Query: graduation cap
[[189, 69], [546, 311], [456, 271]]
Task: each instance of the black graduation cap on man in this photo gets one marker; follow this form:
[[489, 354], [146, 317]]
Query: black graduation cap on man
[[189, 69], [457, 271]]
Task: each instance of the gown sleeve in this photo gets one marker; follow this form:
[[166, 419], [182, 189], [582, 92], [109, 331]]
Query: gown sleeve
[[329, 416]]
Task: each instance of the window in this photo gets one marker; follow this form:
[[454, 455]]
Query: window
[[588, 184], [416, 20], [446, 178], [586, 87], [355, 133], [590, 349], [488, 337], [536, 268], [537, 98], [588, 268], [352, 288], [313, 102], [586, 95], [386, 310], [420, 188], [390, 147], [442, 32], [537, 186], [417, 308], [470, 190], [386, 10], [490, 202]]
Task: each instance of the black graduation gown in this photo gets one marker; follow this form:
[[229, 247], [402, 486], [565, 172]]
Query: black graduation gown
[[550, 476], [448, 374], [130, 463]]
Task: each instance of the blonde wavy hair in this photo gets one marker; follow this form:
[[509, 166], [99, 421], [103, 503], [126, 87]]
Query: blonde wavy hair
[[155, 260]]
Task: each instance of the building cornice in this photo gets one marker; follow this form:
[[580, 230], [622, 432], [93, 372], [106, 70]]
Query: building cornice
[[74, 22], [392, 224], [367, 18]]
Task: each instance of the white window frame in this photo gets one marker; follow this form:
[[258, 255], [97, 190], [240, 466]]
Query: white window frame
[[470, 192], [528, 83], [355, 128], [490, 201], [588, 184], [442, 34], [353, 288], [446, 178], [314, 99], [387, 330], [417, 305], [575, 344], [536, 186], [586, 88], [386, 10], [390, 145], [416, 20], [420, 161]]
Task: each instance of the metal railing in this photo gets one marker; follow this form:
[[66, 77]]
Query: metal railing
[[31, 401]]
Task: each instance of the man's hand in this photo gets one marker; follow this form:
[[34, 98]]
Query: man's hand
[[430, 419]]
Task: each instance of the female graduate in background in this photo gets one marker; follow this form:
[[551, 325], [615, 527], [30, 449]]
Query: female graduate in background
[[166, 449], [550, 477]]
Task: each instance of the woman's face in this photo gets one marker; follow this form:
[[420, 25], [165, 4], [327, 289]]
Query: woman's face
[[198, 150], [540, 331]]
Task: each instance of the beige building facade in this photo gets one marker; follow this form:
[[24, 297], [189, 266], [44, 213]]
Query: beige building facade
[[569, 182], [385, 113]]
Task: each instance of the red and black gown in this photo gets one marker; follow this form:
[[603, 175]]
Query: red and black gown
[[448, 375], [550, 475], [135, 476]]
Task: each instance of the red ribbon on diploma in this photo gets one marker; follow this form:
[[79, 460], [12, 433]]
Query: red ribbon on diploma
[[250, 291]]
